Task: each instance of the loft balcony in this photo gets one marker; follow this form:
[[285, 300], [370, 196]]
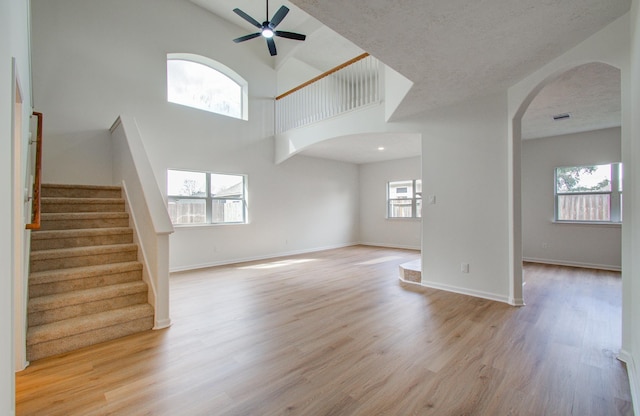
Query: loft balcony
[[356, 97]]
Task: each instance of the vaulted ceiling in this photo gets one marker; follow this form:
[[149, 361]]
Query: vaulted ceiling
[[455, 50]]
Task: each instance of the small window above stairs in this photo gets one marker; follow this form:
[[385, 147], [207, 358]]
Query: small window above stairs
[[85, 282]]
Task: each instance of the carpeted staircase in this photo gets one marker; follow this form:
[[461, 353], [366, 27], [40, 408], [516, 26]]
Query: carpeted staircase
[[85, 283]]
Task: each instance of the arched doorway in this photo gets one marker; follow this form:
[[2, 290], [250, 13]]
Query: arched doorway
[[554, 80]]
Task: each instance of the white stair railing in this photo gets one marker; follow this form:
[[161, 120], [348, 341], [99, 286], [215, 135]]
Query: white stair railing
[[349, 86]]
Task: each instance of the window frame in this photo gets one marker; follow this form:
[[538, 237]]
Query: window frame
[[416, 208], [220, 68], [209, 199], [615, 195]]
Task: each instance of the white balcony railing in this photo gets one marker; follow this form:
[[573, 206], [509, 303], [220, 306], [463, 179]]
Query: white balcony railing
[[347, 87]]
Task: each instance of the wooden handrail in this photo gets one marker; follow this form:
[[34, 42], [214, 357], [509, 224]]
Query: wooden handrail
[[323, 75], [35, 225]]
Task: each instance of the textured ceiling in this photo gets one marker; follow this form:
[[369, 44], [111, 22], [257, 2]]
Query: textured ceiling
[[452, 50], [457, 49], [589, 93]]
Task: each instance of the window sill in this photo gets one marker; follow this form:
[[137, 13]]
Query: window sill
[[590, 223], [403, 219], [187, 226]]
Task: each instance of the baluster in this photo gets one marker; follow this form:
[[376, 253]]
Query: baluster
[[367, 80], [360, 84], [375, 80]]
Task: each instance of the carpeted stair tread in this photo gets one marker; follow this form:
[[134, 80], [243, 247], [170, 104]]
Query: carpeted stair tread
[[67, 221], [65, 204], [82, 324], [50, 276], [60, 216], [80, 191], [61, 253], [81, 200], [80, 237], [80, 278], [76, 297], [66, 258], [79, 232]]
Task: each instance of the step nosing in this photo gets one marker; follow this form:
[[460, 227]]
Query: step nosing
[[72, 273], [81, 200], [80, 232], [78, 186], [59, 253], [51, 216], [78, 297]]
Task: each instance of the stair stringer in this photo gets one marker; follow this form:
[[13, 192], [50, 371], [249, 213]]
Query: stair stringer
[[142, 256], [147, 208]]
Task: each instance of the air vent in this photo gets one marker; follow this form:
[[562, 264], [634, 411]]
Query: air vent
[[562, 116]]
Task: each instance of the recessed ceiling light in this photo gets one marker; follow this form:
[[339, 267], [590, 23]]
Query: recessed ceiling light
[[562, 116], [380, 148]]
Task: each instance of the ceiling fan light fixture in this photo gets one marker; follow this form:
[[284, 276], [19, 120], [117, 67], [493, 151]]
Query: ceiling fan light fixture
[[563, 116], [267, 28]]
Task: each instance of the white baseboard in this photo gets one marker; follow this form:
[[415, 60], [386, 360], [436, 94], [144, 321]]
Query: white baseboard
[[468, 292], [256, 258], [614, 268], [399, 246], [162, 324], [627, 358], [516, 301]]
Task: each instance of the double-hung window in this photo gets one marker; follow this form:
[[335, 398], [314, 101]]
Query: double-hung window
[[591, 193], [404, 199], [206, 198]]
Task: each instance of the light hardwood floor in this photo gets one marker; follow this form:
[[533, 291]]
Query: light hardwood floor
[[333, 333]]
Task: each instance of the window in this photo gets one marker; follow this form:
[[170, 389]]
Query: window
[[200, 82], [206, 198], [589, 193], [404, 199]]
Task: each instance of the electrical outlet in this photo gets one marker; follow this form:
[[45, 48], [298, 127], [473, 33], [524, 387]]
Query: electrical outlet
[[464, 267], [545, 245]]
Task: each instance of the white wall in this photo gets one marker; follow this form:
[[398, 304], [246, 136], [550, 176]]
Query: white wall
[[464, 165], [95, 60], [569, 244], [14, 44], [293, 73], [301, 205], [631, 260], [375, 228]]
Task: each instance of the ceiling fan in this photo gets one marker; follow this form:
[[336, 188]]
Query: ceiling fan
[[268, 28]]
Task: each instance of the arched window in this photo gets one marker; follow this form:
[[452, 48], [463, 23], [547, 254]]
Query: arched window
[[200, 82]]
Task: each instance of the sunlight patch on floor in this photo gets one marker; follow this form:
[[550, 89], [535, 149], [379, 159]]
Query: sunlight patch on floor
[[275, 264], [379, 260]]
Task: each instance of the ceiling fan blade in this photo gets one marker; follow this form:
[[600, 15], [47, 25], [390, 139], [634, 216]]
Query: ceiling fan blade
[[280, 14], [246, 37], [272, 46], [247, 18], [290, 35]]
